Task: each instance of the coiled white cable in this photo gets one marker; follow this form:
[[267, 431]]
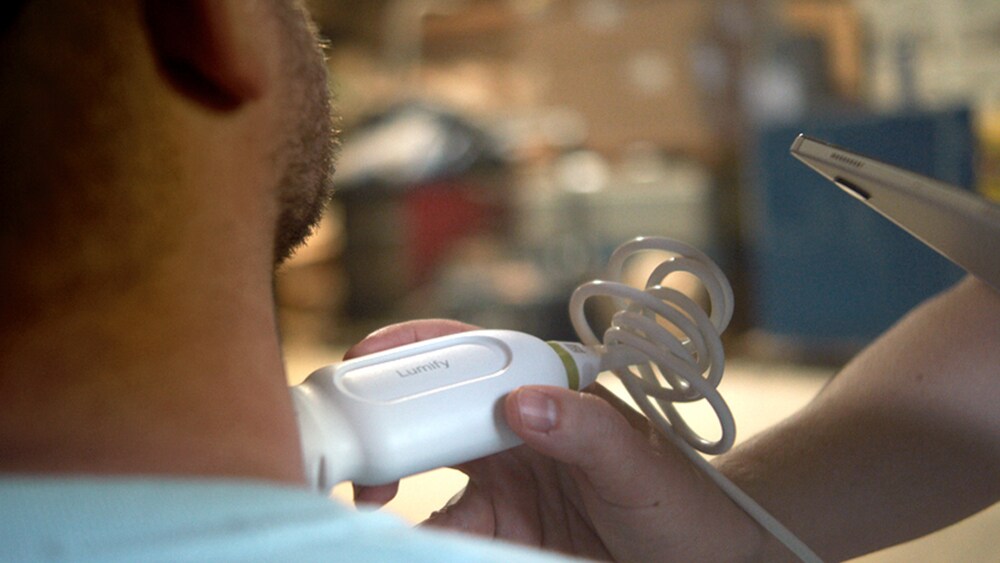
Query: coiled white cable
[[666, 349]]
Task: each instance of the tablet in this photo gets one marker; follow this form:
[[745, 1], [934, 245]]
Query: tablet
[[957, 223]]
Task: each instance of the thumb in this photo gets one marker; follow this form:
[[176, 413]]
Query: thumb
[[620, 458]]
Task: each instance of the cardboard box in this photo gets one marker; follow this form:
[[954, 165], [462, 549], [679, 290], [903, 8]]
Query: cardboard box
[[629, 72]]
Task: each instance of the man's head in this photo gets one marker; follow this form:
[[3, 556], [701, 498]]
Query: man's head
[[137, 131], [159, 158]]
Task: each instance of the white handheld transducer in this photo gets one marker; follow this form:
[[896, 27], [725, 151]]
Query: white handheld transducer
[[437, 403]]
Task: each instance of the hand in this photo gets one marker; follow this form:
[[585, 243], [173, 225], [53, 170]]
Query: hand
[[593, 478]]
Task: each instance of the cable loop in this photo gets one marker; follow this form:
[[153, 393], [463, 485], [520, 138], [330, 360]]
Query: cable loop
[[665, 348]]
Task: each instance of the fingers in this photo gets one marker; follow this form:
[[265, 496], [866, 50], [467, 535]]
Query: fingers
[[631, 483], [585, 431], [405, 333], [375, 496], [467, 512]]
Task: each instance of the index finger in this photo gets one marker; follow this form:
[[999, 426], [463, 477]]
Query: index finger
[[406, 332]]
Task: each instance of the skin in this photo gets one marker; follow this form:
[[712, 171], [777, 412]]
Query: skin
[[150, 186], [567, 488], [902, 442], [141, 268]]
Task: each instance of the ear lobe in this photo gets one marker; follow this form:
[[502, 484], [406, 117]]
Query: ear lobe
[[204, 49]]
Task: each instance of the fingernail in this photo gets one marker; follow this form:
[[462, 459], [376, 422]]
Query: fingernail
[[537, 410]]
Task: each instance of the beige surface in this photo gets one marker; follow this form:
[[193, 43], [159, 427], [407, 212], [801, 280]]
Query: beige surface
[[759, 394]]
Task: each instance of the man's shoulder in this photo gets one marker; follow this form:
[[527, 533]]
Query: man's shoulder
[[169, 519]]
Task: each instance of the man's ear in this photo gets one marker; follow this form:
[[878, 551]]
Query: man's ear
[[206, 49]]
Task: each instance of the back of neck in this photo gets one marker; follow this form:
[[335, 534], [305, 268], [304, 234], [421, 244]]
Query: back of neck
[[154, 383]]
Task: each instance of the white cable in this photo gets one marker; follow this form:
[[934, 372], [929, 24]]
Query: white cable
[[666, 349]]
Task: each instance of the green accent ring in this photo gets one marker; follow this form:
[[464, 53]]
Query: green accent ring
[[572, 373]]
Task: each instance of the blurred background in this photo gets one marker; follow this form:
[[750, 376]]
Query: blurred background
[[494, 153]]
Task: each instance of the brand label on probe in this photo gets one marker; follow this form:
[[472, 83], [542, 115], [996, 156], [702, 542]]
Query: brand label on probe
[[423, 368], [426, 371]]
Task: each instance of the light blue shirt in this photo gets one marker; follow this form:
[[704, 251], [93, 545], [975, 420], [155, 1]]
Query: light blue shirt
[[91, 519]]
